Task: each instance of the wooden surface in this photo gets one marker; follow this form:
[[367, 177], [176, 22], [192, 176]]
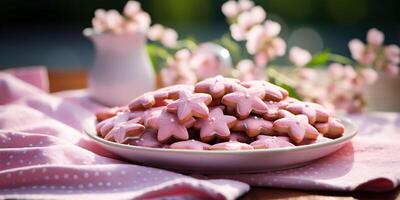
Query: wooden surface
[[67, 80]]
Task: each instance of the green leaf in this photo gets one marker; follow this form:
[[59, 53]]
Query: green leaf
[[158, 55], [319, 60]]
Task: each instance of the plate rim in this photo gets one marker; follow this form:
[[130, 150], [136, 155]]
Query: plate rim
[[88, 129]]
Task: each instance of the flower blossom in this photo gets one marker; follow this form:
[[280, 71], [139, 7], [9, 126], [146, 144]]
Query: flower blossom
[[374, 53], [299, 57], [177, 70], [133, 20], [166, 36], [264, 43], [245, 21], [232, 8]]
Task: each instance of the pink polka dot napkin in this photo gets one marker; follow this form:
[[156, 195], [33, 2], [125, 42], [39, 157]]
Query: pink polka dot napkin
[[44, 155]]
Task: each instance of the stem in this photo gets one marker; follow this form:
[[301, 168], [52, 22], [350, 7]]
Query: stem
[[272, 72], [340, 59]]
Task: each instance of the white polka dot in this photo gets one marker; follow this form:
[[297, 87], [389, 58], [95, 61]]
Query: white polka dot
[[90, 185], [46, 178], [66, 176], [75, 177], [21, 161], [34, 187], [119, 183], [100, 183], [30, 145], [44, 187], [52, 187], [56, 176], [108, 184], [63, 187], [80, 186], [8, 163], [33, 171], [86, 175], [11, 156], [21, 172], [44, 170], [96, 173], [138, 172], [123, 172], [108, 173], [9, 175]]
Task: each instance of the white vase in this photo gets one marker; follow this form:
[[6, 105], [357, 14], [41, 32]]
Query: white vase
[[121, 69]]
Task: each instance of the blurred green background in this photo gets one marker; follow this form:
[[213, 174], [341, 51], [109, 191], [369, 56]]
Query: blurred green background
[[48, 32]]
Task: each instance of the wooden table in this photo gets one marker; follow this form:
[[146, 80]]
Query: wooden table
[[67, 80]]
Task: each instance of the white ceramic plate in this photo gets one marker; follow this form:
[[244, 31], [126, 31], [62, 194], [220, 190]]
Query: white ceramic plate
[[224, 162]]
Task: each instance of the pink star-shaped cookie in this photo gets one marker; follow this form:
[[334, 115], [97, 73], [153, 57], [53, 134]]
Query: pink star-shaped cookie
[[314, 112], [190, 144], [231, 146], [105, 126], [216, 86], [269, 142], [246, 100], [168, 126], [147, 139], [190, 105], [148, 100], [272, 92], [216, 125], [109, 112], [173, 91], [273, 110], [120, 127], [254, 126], [331, 129], [297, 127], [240, 137]]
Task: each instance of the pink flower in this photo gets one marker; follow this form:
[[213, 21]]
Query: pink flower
[[299, 56], [375, 37], [308, 74], [177, 70], [247, 70], [349, 72], [169, 38], [392, 53], [245, 21], [231, 9], [155, 32], [131, 9], [392, 70], [369, 75], [361, 53], [272, 29], [237, 32], [245, 4], [262, 41], [336, 70], [114, 21], [210, 60], [166, 36]]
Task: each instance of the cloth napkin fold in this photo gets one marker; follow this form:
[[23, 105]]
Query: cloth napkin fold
[[44, 155]]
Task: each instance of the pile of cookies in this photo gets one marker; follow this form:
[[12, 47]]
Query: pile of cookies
[[218, 114]]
